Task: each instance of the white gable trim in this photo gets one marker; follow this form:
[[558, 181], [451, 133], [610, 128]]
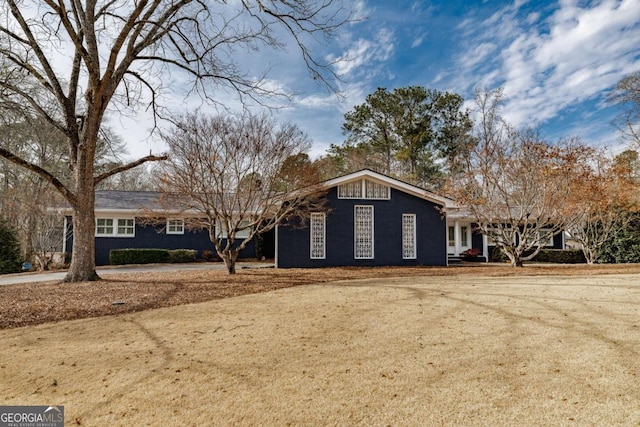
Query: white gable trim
[[392, 182]]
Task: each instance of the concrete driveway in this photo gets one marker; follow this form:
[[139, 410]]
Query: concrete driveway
[[12, 279]]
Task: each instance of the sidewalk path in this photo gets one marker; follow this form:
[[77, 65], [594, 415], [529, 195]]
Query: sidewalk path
[[12, 279]]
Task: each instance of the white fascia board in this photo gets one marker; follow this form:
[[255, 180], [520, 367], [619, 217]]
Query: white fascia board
[[142, 212], [460, 213], [394, 183], [61, 211], [129, 212]]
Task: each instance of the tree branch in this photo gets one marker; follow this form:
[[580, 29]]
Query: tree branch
[[71, 198], [149, 158], [42, 58]]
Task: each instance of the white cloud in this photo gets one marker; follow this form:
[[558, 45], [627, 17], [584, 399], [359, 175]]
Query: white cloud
[[355, 57], [364, 53], [580, 55], [315, 101], [360, 11], [549, 60], [579, 36], [532, 18], [418, 41], [478, 54]]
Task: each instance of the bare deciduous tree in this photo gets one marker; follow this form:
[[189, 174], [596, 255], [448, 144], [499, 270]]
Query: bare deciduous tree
[[238, 176], [627, 92], [24, 195], [517, 185], [47, 237], [72, 62]]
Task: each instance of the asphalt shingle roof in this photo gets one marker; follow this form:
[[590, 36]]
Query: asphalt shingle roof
[[106, 200]]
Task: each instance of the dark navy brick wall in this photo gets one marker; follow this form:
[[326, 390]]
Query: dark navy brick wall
[[294, 245], [149, 236]]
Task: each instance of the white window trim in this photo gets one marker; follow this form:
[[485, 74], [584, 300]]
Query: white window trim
[[386, 196], [355, 234], [126, 227], [341, 186], [413, 249], [362, 183], [320, 217], [98, 234], [169, 225], [114, 227]]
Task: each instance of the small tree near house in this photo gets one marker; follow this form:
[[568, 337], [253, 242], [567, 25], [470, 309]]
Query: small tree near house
[[238, 177]]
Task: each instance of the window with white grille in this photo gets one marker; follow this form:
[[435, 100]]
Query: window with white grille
[[363, 232], [318, 235], [364, 189], [125, 227], [376, 191], [175, 226], [350, 190], [104, 227], [115, 227], [408, 236]]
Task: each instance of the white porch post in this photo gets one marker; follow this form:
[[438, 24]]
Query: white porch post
[[485, 247], [64, 235], [456, 238], [276, 247]]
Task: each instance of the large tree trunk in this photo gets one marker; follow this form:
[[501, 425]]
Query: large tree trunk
[[83, 258]]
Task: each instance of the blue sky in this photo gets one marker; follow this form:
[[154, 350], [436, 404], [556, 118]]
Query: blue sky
[[557, 61]]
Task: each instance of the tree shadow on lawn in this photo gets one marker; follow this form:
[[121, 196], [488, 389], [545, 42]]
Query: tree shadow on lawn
[[35, 303]]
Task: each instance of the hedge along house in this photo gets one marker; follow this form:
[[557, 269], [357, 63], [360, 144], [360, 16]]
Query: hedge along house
[[122, 222], [371, 220]]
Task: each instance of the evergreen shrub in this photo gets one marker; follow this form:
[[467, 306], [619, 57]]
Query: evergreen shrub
[[183, 255], [10, 252], [138, 256]]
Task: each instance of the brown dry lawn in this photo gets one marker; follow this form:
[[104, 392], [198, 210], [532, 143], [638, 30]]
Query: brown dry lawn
[[479, 346]]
